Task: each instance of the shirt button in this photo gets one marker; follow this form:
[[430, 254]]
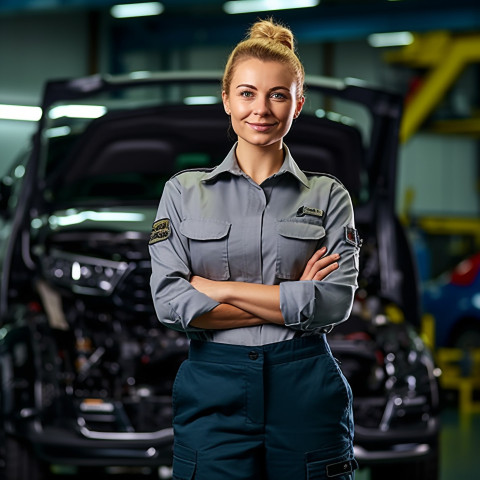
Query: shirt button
[[253, 355]]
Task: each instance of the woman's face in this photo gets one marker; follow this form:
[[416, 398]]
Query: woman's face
[[262, 101]]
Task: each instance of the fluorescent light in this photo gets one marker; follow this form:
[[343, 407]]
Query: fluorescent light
[[58, 131], [77, 111], [201, 100], [390, 39], [75, 218], [130, 10], [245, 6], [19, 112]]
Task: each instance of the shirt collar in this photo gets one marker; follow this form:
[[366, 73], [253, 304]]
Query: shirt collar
[[230, 164]]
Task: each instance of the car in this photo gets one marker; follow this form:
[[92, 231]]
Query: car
[[453, 298], [87, 369]]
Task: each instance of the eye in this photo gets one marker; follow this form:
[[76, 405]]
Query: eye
[[246, 93], [278, 96]]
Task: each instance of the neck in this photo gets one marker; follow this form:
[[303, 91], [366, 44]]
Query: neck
[[259, 162]]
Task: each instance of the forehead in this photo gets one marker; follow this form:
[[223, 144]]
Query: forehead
[[261, 74]]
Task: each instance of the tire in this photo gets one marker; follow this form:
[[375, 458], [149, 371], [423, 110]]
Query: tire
[[425, 469], [19, 462]]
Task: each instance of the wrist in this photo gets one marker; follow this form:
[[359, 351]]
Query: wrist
[[225, 291]]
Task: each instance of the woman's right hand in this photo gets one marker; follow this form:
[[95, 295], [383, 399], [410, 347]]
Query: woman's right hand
[[320, 265]]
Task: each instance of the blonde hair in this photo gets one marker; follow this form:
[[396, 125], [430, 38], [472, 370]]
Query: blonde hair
[[266, 41]]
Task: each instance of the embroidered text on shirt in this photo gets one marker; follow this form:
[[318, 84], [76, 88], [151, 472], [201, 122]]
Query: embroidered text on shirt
[[309, 211]]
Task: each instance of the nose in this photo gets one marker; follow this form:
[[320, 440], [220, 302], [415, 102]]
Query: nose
[[261, 107]]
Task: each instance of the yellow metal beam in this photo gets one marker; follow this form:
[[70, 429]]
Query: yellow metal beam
[[425, 51], [445, 56], [459, 126], [450, 225]]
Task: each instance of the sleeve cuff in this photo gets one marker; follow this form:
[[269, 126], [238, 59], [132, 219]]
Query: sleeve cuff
[[309, 305], [297, 302], [188, 306]]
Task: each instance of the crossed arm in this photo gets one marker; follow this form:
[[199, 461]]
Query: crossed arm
[[245, 304]]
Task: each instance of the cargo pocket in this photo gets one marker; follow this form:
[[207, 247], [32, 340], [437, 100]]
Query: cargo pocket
[[208, 247], [341, 467], [297, 242], [184, 462]]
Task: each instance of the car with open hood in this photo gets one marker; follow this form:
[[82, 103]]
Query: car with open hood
[[86, 368]]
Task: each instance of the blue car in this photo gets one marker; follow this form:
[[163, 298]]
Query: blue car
[[454, 301]]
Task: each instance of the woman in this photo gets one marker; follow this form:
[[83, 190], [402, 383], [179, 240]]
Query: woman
[[254, 261]]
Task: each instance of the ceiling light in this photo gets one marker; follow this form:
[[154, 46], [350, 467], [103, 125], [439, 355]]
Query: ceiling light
[[129, 10], [77, 111], [201, 100], [390, 39], [74, 217], [19, 112], [246, 6]]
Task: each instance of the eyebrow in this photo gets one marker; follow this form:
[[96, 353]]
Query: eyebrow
[[280, 87]]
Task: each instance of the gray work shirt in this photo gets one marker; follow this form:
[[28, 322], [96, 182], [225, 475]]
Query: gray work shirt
[[219, 224]]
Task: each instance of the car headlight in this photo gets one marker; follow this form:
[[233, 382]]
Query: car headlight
[[83, 274]]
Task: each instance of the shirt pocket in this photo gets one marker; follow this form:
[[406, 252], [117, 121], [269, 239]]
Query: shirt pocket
[[296, 243], [208, 240]]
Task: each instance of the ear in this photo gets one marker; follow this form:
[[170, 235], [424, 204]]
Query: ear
[[299, 106], [226, 102]]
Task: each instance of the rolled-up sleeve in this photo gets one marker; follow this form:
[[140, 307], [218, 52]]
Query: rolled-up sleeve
[[176, 302], [310, 305]]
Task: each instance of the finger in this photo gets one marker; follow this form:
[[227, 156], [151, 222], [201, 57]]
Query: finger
[[307, 272], [323, 263], [324, 272], [316, 256], [327, 259]]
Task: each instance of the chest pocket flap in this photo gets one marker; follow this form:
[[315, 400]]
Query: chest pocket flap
[[301, 230], [204, 229], [296, 243], [208, 240]]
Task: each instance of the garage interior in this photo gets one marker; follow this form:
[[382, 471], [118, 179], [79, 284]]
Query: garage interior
[[427, 50]]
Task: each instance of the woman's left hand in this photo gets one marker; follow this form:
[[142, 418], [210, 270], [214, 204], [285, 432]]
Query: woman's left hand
[[320, 265]]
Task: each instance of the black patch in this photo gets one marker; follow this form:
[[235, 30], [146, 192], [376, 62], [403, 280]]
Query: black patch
[[160, 231], [316, 212]]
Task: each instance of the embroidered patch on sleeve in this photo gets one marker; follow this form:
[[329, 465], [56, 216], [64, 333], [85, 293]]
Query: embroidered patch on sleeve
[[160, 231], [352, 237]]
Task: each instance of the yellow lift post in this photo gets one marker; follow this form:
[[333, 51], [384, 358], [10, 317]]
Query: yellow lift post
[[444, 56]]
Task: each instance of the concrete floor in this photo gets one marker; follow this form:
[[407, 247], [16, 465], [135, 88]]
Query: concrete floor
[[459, 447]]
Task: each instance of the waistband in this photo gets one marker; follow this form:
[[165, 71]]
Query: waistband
[[272, 353]]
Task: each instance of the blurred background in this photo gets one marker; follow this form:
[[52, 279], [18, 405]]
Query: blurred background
[[429, 50]]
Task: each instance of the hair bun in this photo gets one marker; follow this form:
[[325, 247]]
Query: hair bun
[[273, 31]]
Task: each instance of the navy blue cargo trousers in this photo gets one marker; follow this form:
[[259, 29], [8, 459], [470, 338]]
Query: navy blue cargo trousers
[[281, 411]]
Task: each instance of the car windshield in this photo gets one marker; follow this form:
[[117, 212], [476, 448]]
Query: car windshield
[[121, 145]]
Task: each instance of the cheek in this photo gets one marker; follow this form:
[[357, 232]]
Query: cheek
[[240, 111]]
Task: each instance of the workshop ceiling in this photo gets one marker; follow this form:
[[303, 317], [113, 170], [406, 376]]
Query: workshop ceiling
[[186, 22]]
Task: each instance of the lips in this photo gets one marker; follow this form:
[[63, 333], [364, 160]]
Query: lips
[[261, 127]]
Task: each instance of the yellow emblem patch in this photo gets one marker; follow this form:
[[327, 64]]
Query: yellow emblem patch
[[160, 231]]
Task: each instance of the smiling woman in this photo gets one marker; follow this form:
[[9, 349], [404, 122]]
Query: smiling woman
[[254, 264], [262, 102]]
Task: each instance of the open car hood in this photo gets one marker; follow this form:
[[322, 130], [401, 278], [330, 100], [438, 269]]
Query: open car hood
[[344, 153], [145, 128]]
